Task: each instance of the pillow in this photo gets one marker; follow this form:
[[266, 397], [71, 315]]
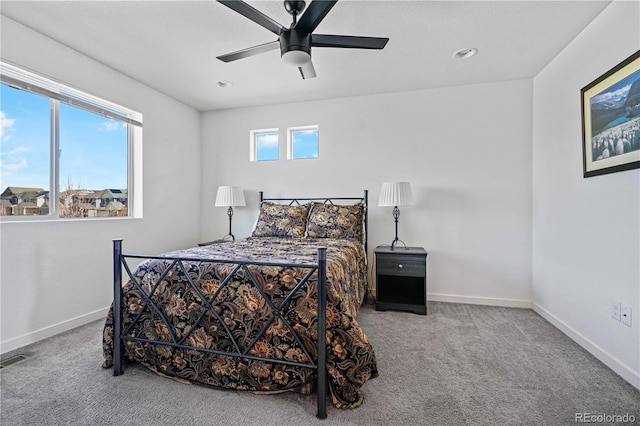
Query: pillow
[[336, 221], [281, 220]]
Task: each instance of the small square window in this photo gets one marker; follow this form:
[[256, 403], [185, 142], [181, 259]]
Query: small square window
[[302, 142], [264, 145]]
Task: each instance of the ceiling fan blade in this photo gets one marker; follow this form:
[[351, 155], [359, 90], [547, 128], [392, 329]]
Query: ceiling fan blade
[[254, 14], [314, 14], [307, 71], [251, 51], [351, 42]]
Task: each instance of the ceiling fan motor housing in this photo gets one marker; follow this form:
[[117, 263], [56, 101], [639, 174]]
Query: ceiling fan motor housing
[[295, 47]]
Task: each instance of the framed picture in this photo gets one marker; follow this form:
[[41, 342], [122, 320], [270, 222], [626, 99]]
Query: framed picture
[[611, 120]]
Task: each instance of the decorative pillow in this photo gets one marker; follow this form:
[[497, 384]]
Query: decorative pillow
[[280, 220], [336, 221]]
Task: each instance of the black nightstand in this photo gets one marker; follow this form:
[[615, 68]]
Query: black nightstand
[[401, 279]]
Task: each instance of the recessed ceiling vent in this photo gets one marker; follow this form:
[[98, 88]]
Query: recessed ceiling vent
[[466, 53]]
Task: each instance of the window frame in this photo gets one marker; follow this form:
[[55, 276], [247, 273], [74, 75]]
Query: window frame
[[290, 131], [22, 79], [253, 145]]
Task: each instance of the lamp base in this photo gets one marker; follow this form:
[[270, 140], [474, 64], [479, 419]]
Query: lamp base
[[396, 215], [392, 246], [230, 214]]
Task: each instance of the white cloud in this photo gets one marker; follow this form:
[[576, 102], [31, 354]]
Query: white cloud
[[14, 167], [18, 150], [306, 132], [268, 140], [5, 123], [110, 126]]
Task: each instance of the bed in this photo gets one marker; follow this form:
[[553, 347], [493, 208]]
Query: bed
[[274, 312]]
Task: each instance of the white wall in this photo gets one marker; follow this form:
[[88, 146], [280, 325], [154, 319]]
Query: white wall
[[57, 275], [586, 232], [465, 150]]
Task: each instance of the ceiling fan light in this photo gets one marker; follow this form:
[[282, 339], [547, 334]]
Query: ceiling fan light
[[296, 58]]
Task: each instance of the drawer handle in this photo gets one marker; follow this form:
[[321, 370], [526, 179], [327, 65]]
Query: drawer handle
[[400, 266]]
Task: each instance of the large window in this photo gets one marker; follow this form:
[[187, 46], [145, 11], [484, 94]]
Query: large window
[[65, 153]]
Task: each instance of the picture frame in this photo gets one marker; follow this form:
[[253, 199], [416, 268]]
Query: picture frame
[[611, 120]]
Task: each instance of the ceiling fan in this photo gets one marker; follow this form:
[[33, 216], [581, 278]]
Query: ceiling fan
[[296, 41]]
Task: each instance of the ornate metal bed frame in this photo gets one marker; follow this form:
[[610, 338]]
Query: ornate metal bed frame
[[208, 303]]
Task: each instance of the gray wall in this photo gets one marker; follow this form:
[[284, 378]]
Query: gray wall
[[586, 232]]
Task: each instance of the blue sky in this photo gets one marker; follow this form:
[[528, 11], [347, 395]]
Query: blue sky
[[93, 148], [267, 146], [305, 143]]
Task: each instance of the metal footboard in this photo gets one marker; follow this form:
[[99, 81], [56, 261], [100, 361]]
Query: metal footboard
[[120, 335]]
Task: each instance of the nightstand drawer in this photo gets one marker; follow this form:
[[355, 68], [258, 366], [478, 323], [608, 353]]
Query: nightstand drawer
[[410, 266]]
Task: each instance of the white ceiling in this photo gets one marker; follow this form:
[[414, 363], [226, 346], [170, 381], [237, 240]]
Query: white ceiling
[[172, 45]]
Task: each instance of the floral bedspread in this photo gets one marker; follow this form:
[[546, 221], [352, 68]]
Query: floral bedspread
[[245, 312]]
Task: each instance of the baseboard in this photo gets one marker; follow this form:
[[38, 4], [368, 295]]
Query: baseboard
[[624, 371], [46, 332], [475, 300]]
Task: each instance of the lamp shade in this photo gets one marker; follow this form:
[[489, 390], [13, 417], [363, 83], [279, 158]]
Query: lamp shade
[[395, 194], [230, 196]]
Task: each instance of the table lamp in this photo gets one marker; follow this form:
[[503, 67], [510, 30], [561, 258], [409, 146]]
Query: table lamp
[[230, 196], [395, 194]]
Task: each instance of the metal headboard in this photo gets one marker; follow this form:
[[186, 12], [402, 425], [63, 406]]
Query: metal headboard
[[364, 199]]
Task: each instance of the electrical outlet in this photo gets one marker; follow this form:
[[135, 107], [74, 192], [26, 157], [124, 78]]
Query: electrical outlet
[[625, 315], [615, 311]]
